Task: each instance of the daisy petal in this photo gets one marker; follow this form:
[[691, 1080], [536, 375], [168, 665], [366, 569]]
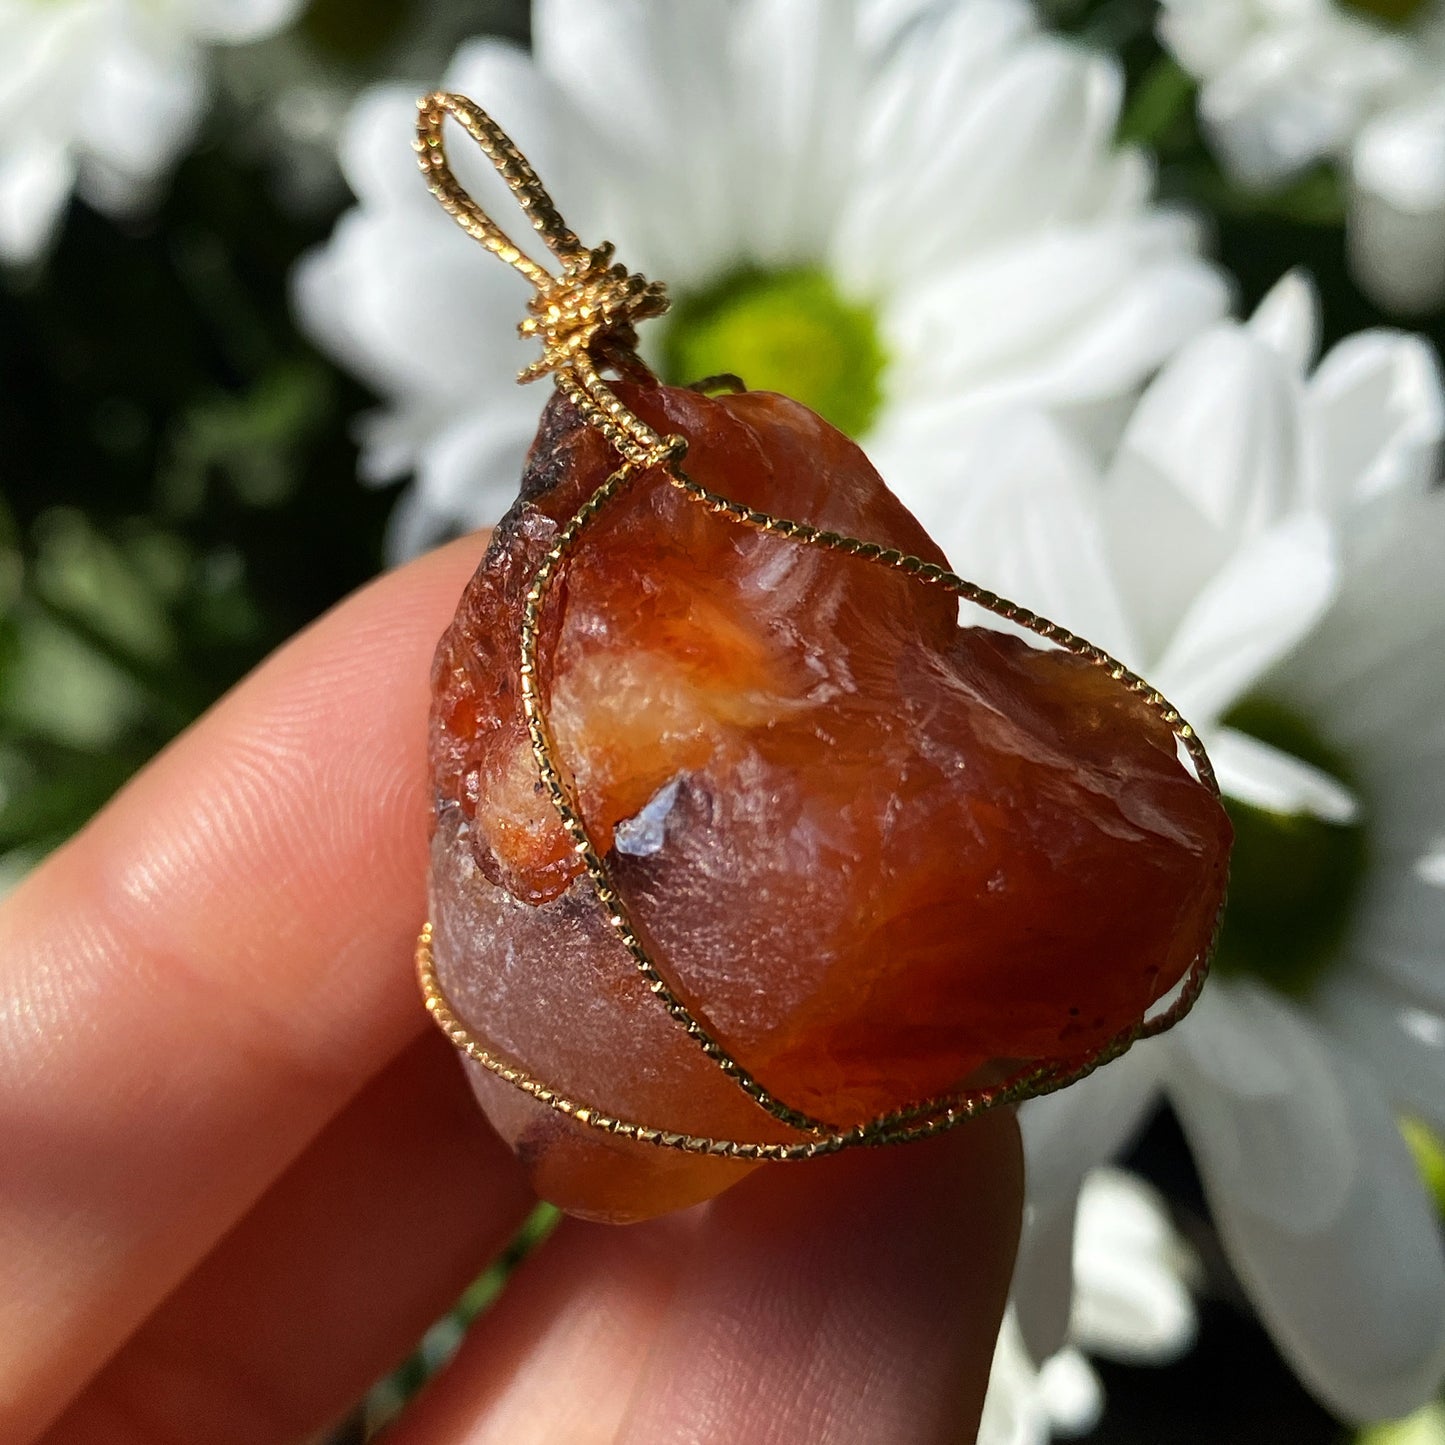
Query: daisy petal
[[1363, 676], [1068, 315], [1010, 502], [232, 22], [467, 478], [1044, 1279], [1208, 460], [35, 181], [800, 75], [1130, 1303], [1065, 1136], [1265, 598], [1268, 114], [379, 171], [1354, 1296], [1396, 232], [139, 111], [1393, 1035], [1253, 1084], [1014, 1410], [1071, 1393], [1288, 319], [1265, 777], [1377, 416], [1400, 927]]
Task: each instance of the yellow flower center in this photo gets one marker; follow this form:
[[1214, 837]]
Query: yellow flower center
[[788, 331]]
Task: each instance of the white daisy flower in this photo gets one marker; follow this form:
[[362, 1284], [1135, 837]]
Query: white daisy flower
[[1265, 546], [100, 96], [904, 215], [1288, 83], [1132, 1304]]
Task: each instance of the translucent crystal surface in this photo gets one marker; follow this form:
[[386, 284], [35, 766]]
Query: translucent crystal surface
[[876, 852]]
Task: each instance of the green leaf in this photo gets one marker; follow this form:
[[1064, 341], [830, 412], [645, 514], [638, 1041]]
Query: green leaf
[[1163, 103], [86, 577], [252, 441]]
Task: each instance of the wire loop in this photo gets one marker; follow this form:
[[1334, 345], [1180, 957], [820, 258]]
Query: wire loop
[[591, 304]]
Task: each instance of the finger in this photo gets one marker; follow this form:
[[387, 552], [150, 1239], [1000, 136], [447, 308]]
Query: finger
[[856, 1300], [558, 1356], [205, 975], [852, 1299], [328, 1282]]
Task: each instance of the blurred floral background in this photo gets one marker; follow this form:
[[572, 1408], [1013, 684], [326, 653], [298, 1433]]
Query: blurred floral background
[[1138, 305]]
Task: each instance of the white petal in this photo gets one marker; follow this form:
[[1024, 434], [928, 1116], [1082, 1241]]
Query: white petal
[[1071, 1393], [414, 307], [1356, 1299], [1397, 207], [1397, 256], [653, 83], [1400, 928], [467, 478], [1206, 38], [920, 113], [621, 63], [1065, 1136], [1014, 513], [1091, 1122], [1265, 777], [1210, 458], [1400, 155], [1063, 316], [231, 22], [380, 170], [1366, 677], [1400, 1041], [1376, 415], [391, 440], [1291, 97], [1253, 1084], [139, 111], [1044, 1279], [799, 73], [1258, 606], [1288, 319], [518, 95], [35, 182], [1130, 1299], [1014, 1411], [1013, 158]]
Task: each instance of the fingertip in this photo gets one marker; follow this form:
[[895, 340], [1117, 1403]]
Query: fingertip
[[855, 1298]]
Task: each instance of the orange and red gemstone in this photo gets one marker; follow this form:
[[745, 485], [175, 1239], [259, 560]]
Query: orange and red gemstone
[[878, 854]]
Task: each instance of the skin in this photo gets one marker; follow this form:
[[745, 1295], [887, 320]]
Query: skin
[[240, 1172]]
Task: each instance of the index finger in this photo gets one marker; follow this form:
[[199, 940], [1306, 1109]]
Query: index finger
[[203, 977]]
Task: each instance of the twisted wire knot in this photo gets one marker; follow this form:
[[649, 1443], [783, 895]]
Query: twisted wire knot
[[593, 305]]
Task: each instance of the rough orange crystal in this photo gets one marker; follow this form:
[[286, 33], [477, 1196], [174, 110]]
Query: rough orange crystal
[[877, 853]]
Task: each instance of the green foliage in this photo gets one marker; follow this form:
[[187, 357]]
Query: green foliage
[[177, 488]]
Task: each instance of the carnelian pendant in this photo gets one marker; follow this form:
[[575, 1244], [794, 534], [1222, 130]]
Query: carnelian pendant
[[745, 847]]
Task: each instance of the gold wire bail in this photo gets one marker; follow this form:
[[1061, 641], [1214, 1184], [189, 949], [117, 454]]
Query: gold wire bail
[[593, 303]]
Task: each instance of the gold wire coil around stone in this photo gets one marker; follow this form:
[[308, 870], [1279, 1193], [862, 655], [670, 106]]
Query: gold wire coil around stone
[[584, 313]]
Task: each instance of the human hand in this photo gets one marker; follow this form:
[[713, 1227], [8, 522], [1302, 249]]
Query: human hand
[[240, 1172]]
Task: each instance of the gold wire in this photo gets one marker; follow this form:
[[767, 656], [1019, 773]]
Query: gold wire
[[585, 311]]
